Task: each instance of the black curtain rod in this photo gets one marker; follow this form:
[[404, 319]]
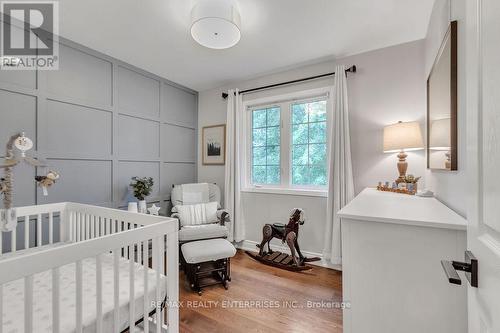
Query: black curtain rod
[[351, 69]]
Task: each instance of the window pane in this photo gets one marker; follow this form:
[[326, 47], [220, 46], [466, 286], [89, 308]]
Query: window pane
[[273, 175], [259, 137], [259, 175], [309, 138], [317, 111], [300, 175], [259, 118], [299, 155], [259, 156], [273, 155], [273, 136], [318, 175], [317, 132], [299, 134], [273, 117], [317, 154], [299, 113], [266, 140]]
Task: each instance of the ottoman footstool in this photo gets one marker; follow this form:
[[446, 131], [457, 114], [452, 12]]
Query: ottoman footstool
[[207, 262]]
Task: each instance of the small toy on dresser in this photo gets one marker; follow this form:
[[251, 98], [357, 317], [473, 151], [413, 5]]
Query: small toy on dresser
[[409, 186]]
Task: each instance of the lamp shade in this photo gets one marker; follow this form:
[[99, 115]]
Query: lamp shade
[[402, 136], [215, 24], [440, 136]]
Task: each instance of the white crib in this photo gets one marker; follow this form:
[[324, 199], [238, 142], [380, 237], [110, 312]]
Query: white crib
[[82, 268]]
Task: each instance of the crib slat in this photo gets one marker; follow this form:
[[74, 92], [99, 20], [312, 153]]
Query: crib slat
[[87, 226], [39, 230], [98, 262], [116, 296], [77, 227], [51, 228], [71, 227], [64, 229], [157, 254], [55, 300], [146, 288], [100, 226], [172, 281], [13, 240], [1, 241], [1, 307], [79, 296], [139, 254], [92, 226], [26, 232], [28, 304], [131, 290], [105, 226], [127, 227]]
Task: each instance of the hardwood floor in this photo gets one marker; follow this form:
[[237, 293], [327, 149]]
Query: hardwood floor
[[281, 301]]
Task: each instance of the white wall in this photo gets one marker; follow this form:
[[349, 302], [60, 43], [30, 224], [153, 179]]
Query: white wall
[[449, 186], [389, 86]]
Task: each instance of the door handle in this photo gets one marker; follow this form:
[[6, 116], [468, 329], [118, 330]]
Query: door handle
[[469, 267]]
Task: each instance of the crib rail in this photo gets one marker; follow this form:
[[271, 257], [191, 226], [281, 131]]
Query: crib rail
[[85, 232], [33, 223]]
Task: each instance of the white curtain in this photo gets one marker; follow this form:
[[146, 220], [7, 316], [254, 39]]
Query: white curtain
[[341, 184], [234, 168]]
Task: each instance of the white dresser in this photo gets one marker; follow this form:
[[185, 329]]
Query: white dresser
[[392, 247]]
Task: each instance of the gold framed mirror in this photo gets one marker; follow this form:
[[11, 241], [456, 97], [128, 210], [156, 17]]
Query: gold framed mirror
[[442, 105]]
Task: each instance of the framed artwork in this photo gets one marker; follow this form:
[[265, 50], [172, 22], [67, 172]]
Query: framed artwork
[[214, 145]]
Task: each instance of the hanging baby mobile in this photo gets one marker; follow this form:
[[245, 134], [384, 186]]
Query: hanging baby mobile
[[8, 216]]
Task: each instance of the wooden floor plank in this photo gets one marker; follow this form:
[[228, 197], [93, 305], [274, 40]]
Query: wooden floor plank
[[280, 301]]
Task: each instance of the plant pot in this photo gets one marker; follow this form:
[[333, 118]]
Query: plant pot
[[142, 207], [132, 207]]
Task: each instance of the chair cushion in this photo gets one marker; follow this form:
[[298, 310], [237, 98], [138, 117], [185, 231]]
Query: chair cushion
[[198, 214], [207, 250], [214, 230]]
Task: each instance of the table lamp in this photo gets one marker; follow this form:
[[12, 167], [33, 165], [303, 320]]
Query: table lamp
[[440, 138], [401, 137]]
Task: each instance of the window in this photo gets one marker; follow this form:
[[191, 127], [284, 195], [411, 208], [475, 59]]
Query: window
[[288, 143], [309, 143], [266, 146]]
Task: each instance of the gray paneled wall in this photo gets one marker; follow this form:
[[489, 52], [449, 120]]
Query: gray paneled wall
[[99, 121]]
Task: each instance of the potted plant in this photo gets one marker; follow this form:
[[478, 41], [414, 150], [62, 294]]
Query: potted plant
[[142, 188]]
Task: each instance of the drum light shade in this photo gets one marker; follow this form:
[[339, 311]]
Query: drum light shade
[[402, 136], [215, 24]]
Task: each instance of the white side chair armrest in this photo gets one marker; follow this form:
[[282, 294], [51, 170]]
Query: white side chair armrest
[[178, 217]]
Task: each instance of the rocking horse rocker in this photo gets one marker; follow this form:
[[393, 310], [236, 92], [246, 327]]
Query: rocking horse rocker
[[288, 234]]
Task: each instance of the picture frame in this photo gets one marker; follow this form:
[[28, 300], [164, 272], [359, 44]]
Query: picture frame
[[214, 145]]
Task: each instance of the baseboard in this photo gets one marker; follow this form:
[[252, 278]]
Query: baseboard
[[249, 245]]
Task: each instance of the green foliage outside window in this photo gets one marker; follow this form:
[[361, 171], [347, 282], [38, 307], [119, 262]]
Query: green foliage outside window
[[309, 138], [266, 137]]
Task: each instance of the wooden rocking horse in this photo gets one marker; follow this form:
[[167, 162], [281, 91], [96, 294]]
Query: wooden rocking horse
[[288, 234]]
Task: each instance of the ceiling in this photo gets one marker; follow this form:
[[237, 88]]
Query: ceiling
[[276, 34]]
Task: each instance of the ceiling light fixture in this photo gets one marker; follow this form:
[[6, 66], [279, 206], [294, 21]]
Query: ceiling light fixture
[[215, 24]]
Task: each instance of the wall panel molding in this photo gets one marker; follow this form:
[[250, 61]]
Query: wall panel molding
[[100, 121]]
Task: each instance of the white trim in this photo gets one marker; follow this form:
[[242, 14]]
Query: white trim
[[287, 191], [290, 97], [248, 245]]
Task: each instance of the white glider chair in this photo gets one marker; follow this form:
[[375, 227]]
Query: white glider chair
[[197, 207]]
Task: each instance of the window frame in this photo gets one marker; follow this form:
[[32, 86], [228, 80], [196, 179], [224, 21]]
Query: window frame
[[285, 102]]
